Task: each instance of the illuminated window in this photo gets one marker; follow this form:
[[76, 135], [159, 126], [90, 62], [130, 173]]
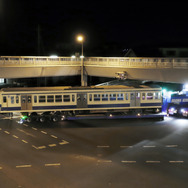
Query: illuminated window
[[2, 80], [104, 97], [149, 96]]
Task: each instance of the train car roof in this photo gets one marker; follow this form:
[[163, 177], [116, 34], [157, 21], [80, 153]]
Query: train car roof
[[74, 88]]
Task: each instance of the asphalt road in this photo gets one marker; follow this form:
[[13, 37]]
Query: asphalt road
[[94, 153]]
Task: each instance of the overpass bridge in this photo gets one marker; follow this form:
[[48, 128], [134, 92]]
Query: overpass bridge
[[173, 70]]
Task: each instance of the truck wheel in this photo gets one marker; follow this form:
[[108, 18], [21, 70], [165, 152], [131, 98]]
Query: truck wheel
[[42, 119], [55, 119]]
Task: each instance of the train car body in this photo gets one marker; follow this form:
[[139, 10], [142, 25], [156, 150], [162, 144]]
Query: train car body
[[80, 99]]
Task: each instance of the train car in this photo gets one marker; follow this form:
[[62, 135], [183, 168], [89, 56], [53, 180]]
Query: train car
[[52, 102]]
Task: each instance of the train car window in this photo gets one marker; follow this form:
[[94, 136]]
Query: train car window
[[96, 97], [157, 95], [29, 99], [73, 98], [35, 99], [17, 99], [58, 98], [149, 96], [143, 96], [50, 98], [90, 97], [42, 98], [12, 99], [120, 96], [113, 97], [137, 95], [104, 97], [66, 98], [4, 99]]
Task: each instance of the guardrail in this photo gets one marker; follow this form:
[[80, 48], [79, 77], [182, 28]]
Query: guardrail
[[126, 62]]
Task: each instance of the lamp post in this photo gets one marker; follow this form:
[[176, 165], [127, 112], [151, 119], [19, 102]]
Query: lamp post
[[80, 39]]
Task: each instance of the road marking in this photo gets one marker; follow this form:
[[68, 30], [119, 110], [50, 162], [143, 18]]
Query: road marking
[[176, 161], [153, 161], [1, 168], [104, 161], [41, 147], [24, 166], [149, 146], [63, 142], [34, 147], [53, 136], [126, 146], [6, 132], [0, 129], [24, 141], [128, 161], [54, 164], [171, 146], [29, 134], [15, 136], [25, 125], [52, 145], [44, 132], [103, 146], [34, 128]]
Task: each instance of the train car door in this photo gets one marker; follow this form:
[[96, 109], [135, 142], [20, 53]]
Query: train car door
[[26, 102], [81, 100], [135, 99]]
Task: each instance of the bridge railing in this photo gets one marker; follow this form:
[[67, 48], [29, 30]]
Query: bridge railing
[[126, 62]]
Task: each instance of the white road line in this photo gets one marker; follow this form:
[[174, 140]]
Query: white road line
[[128, 161], [24, 141], [126, 146], [104, 161], [176, 161], [153, 161], [15, 136], [24, 166], [44, 132], [53, 136], [1, 168], [25, 125], [171, 146], [149, 146], [6, 132], [53, 164], [103, 146], [41, 147], [52, 145], [0, 129], [34, 128]]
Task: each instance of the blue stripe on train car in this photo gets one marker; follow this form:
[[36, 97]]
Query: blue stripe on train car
[[108, 105], [150, 104], [53, 107], [10, 108]]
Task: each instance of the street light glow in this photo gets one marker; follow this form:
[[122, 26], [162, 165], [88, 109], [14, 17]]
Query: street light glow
[[80, 38]]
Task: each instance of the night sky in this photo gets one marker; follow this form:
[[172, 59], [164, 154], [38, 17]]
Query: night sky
[[109, 27]]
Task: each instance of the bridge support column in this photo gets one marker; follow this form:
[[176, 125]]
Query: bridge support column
[[83, 74]]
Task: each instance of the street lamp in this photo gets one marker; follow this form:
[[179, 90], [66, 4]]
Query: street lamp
[[80, 39]]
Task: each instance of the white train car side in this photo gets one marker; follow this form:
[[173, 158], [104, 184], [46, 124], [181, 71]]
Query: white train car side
[[64, 100]]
